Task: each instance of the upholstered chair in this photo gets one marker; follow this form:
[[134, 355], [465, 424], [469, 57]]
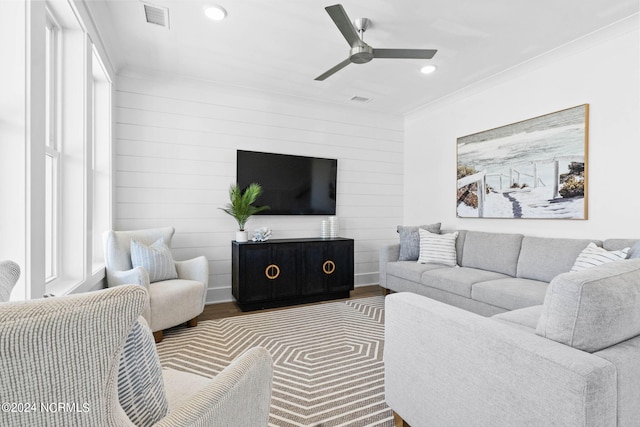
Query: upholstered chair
[[173, 301], [90, 360], [9, 274]]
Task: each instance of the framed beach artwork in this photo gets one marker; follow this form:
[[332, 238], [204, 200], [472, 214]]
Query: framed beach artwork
[[536, 168]]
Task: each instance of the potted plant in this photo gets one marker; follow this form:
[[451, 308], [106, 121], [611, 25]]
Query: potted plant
[[241, 207]]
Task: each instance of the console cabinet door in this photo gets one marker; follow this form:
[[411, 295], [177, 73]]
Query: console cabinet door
[[253, 284], [285, 258], [314, 281], [338, 266], [328, 267]]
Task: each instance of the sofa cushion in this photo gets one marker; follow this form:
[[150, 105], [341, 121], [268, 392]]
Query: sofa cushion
[[510, 293], [458, 280], [492, 251], [543, 258], [593, 255], [410, 270], [410, 240], [617, 244], [594, 308], [438, 248], [525, 319]]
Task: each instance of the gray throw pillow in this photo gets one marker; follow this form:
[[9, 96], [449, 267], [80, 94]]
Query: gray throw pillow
[[155, 258], [410, 240]]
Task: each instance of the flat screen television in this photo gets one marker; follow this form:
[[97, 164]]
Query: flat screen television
[[292, 185]]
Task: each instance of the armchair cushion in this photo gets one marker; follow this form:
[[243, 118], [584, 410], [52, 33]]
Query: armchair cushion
[[155, 258]]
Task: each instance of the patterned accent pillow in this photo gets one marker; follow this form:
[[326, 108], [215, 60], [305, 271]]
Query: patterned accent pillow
[[410, 240], [140, 385], [438, 248], [594, 255], [156, 259]]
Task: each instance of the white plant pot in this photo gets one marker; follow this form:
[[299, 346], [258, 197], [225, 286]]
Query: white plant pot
[[242, 236]]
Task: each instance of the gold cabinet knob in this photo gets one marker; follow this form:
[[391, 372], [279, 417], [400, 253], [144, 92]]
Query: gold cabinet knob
[[329, 267], [272, 271]]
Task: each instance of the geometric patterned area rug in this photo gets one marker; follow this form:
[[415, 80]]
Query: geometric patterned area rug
[[327, 359]]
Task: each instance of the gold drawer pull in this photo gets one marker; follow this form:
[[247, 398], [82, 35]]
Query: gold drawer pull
[[272, 271], [328, 267]]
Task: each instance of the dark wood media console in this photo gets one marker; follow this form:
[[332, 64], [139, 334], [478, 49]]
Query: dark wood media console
[[291, 271]]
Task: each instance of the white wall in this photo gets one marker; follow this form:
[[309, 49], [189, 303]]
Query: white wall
[[601, 70], [175, 154]]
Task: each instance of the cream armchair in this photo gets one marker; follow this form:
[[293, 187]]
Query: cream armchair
[[62, 360], [171, 302], [9, 274]]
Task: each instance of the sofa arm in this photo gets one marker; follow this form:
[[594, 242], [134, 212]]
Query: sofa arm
[[239, 396], [389, 253], [446, 366]]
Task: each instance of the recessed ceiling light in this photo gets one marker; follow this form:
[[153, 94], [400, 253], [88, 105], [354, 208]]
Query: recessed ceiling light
[[428, 69], [215, 12]]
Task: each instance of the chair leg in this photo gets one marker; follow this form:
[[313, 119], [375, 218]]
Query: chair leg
[[158, 335], [192, 323], [398, 421], [386, 291]]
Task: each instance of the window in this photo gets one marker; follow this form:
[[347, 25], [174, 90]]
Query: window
[[77, 189], [52, 153]]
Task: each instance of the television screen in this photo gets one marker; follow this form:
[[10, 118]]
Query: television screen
[[292, 185]]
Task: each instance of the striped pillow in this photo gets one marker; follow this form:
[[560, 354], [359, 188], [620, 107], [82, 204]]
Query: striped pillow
[[438, 248], [594, 255], [140, 384], [156, 259]]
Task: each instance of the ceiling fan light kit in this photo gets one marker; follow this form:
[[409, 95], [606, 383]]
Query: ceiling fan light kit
[[360, 52]]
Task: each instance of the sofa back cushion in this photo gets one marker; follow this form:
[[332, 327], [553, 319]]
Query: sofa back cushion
[[593, 308], [543, 258], [617, 244], [492, 251], [462, 234]]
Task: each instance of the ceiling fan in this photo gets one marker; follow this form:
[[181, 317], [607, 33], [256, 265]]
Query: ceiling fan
[[360, 51]]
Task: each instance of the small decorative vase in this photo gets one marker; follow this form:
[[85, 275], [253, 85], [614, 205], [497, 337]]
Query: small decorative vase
[[242, 236]]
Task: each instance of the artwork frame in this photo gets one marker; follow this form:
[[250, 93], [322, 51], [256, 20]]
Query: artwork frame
[[544, 161]]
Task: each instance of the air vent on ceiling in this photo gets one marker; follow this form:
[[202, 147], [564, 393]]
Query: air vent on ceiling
[[357, 98], [156, 15]]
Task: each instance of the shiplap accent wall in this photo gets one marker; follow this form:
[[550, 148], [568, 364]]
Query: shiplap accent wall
[[175, 158]]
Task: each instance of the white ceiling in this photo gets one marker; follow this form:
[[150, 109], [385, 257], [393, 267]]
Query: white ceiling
[[282, 45]]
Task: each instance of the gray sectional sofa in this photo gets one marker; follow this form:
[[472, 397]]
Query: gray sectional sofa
[[496, 272], [564, 353]]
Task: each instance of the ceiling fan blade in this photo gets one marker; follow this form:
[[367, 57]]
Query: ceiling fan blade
[[342, 21], [333, 70], [404, 53]]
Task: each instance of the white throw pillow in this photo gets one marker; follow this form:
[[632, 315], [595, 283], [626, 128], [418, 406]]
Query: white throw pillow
[[438, 248], [156, 259], [594, 255]]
